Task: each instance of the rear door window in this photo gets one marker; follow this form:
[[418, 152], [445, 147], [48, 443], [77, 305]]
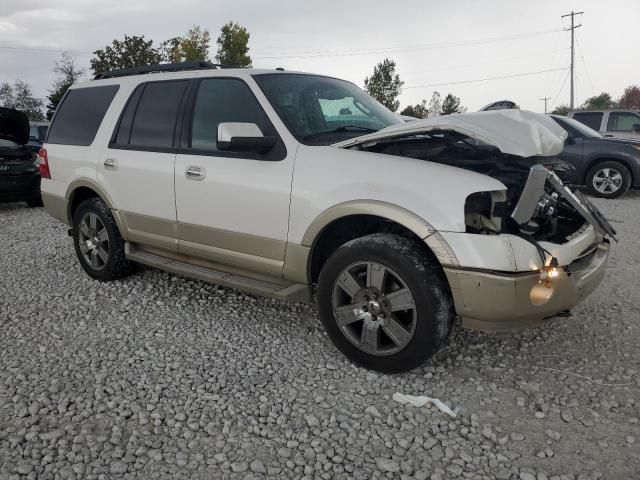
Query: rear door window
[[590, 119], [78, 118], [622, 121], [150, 118]]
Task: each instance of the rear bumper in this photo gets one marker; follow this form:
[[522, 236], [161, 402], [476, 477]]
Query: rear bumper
[[19, 187], [493, 301]]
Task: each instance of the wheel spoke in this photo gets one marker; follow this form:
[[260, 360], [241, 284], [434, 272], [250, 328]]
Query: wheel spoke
[[349, 284], [102, 235], [375, 275], [84, 248], [93, 221], [347, 315], [369, 336], [396, 332], [93, 258], [102, 253], [400, 300], [84, 228]]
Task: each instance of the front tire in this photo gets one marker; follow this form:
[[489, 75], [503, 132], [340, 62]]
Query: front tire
[[608, 180], [98, 243], [385, 303]]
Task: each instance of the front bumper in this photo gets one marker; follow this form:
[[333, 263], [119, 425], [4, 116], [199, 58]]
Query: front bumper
[[493, 301]]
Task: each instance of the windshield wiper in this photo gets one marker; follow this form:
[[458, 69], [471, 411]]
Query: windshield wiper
[[342, 129]]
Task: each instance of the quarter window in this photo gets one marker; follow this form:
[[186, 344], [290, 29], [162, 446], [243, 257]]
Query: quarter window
[[78, 118], [224, 100], [590, 119], [622, 122]]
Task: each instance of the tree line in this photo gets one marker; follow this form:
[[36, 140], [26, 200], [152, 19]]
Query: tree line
[[385, 86], [630, 99], [132, 51]]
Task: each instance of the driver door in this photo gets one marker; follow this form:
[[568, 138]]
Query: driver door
[[232, 207]]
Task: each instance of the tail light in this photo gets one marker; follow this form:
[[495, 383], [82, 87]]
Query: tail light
[[43, 163]]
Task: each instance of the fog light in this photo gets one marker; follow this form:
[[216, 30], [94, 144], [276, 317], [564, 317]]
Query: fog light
[[541, 293]]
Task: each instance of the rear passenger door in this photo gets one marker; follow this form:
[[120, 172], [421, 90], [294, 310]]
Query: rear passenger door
[[236, 211], [136, 169]]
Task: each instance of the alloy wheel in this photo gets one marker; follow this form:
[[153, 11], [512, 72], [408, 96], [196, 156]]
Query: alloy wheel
[[93, 241], [374, 308], [607, 181]]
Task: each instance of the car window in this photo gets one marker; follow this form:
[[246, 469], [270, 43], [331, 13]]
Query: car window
[[322, 110], [33, 132], [154, 121], [575, 128], [42, 132], [224, 100], [78, 118], [622, 121], [590, 119]]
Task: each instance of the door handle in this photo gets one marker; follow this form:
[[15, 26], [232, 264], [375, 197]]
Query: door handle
[[195, 173], [110, 164]]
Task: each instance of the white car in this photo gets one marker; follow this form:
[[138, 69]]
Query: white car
[[274, 182]]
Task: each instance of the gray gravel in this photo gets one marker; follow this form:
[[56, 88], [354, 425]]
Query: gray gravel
[[161, 377]]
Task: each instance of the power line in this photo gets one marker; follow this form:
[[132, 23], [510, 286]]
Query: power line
[[409, 48], [593, 92], [44, 51], [555, 99], [487, 79]]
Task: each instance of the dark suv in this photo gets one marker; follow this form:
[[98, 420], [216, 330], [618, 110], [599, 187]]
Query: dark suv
[[19, 172], [607, 166]]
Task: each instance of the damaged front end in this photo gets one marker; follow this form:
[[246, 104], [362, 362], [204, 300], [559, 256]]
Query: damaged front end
[[529, 251]]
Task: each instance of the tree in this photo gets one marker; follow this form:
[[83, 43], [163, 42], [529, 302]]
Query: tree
[[192, 47], [451, 104], [131, 52], [68, 73], [561, 110], [599, 102], [385, 84], [435, 104], [630, 98], [233, 46], [19, 96], [417, 111]]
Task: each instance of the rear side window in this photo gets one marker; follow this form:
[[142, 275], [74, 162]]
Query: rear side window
[[149, 120], [622, 121], [78, 118], [590, 119]]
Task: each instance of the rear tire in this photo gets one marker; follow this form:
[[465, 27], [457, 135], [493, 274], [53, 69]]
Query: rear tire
[[385, 303], [98, 243], [608, 180]]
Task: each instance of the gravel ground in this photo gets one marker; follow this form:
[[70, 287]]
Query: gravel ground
[[161, 377]]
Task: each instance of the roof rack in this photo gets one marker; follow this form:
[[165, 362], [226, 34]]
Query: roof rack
[[160, 67]]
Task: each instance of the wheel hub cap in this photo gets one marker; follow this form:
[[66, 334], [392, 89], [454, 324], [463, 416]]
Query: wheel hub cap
[[374, 308], [93, 241]]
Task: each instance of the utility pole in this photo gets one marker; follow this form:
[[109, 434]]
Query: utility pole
[[545, 103], [572, 28]]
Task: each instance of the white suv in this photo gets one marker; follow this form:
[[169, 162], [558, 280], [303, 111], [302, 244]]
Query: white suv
[[273, 182]]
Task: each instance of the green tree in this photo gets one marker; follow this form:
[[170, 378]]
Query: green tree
[[561, 110], [193, 46], [233, 46], [19, 96], [68, 73], [451, 104], [417, 111], [131, 52], [630, 98], [385, 84], [599, 102], [435, 104]]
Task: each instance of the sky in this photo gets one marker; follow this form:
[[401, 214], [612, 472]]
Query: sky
[[437, 45]]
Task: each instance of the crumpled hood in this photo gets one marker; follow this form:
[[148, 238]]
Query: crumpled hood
[[514, 132], [14, 126]]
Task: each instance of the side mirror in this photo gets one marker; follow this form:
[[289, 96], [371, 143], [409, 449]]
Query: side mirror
[[636, 127], [243, 137]]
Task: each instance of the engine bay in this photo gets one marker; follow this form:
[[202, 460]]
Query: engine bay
[[553, 219]]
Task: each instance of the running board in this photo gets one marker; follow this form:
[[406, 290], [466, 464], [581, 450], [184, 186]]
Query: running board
[[207, 272]]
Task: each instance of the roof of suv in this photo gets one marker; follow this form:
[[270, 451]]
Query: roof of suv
[[606, 110]]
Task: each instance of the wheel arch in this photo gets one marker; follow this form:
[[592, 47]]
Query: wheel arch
[[82, 189], [350, 220]]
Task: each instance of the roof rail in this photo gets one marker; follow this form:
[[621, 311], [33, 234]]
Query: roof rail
[[160, 67]]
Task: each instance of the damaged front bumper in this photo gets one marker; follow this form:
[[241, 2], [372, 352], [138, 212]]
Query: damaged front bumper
[[491, 301]]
